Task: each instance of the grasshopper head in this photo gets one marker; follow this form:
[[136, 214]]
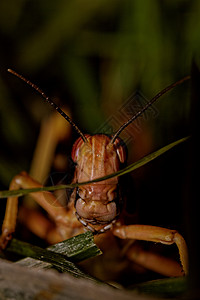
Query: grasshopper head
[[97, 203]]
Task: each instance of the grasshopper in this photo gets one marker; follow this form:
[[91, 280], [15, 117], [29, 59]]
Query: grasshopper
[[97, 206]]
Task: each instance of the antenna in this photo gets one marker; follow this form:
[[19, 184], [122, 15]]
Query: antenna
[[165, 90], [48, 100]]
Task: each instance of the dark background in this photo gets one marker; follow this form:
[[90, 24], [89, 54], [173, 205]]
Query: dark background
[[92, 55]]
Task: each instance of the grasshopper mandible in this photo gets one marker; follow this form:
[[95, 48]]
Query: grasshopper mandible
[[95, 206]]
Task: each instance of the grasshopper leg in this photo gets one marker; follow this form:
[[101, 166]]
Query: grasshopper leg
[[64, 218], [155, 234]]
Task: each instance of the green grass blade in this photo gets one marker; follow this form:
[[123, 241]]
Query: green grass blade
[[62, 255], [128, 169], [78, 248], [143, 161]]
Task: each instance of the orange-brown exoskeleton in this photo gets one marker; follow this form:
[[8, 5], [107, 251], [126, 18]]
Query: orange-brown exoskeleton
[[96, 206]]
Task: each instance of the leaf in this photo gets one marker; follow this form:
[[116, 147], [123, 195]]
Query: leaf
[[78, 248], [128, 169], [62, 255]]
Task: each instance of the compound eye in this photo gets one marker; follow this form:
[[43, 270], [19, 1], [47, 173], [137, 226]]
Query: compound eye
[[77, 146], [121, 150]]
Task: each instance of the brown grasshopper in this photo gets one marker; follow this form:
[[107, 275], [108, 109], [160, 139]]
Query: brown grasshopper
[[95, 206]]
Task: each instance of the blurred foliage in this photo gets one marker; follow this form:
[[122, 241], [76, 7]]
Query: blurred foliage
[[92, 55]]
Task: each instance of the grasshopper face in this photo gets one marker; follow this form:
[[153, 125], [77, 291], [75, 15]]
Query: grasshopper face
[[97, 203]]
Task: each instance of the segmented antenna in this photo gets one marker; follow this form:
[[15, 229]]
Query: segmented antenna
[[165, 90], [48, 100]]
